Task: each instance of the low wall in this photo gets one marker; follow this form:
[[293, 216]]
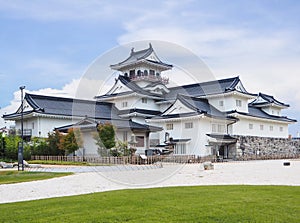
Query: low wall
[[266, 147]]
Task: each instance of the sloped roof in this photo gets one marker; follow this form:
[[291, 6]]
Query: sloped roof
[[119, 124], [199, 106], [264, 99], [141, 111], [141, 55], [132, 86], [206, 88], [68, 107], [259, 113]]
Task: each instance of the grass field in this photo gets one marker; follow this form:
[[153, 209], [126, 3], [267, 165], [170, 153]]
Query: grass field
[[13, 176], [51, 162], [175, 204]]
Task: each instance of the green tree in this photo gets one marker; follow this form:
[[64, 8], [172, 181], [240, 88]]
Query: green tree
[[53, 142], [2, 145], [105, 138], [71, 141], [122, 148], [11, 147]]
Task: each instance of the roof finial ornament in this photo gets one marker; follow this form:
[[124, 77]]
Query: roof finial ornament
[[150, 45], [132, 50]]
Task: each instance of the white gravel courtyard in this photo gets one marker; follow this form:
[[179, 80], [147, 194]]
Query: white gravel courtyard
[[97, 179]]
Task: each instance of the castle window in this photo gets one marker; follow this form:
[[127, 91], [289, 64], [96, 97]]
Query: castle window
[[250, 126], [157, 74], [188, 125], [145, 73], [271, 128], [238, 103], [152, 72], [144, 100], [281, 129], [221, 103], [221, 128], [131, 73], [261, 127], [124, 104], [213, 128], [169, 126], [139, 73]]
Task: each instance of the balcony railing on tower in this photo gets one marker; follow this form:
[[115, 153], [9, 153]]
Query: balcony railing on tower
[[26, 132], [152, 78]]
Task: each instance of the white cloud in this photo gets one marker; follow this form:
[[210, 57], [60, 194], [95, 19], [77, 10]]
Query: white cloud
[[263, 52]]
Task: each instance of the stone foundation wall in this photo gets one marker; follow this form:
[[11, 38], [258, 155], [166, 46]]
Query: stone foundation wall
[[265, 147]]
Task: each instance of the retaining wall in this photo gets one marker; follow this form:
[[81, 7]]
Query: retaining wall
[[266, 147]]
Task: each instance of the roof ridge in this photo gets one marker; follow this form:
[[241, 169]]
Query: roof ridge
[[205, 82]]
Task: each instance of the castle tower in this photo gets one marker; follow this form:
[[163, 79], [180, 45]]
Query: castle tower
[[143, 67]]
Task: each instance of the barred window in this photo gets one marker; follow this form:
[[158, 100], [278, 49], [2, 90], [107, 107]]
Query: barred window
[[188, 125], [250, 126], [261, 127], [169, 126]]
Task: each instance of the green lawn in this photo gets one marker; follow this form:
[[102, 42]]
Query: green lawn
[[13, 176], [175, 204], [51, 162]]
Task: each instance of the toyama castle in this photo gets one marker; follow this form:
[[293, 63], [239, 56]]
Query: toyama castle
[[196, 119]]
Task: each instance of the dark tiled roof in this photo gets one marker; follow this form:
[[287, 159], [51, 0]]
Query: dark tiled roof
[[131, 85], [119, 124], [141, 111], [70, 107], [200, 105], [259, 113], [267, 99], [221, 136], [206, 88], [136, 56]]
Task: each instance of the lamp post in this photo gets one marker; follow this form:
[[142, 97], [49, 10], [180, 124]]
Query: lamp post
[[21, 147]]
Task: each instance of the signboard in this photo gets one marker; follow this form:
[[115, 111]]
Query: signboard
[[20, 156]]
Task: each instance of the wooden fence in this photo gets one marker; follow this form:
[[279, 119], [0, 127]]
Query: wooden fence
[[154, 159], [127, 159]]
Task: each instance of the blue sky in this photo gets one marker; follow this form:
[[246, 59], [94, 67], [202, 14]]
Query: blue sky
[[47, 45]]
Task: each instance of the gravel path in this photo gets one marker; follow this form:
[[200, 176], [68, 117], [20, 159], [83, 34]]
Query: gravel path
[[97, 179]]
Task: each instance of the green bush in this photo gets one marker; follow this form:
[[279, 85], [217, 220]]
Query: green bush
[[11, 147]]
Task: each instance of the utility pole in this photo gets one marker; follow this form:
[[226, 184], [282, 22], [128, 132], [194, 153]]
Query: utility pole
[[21, 147]]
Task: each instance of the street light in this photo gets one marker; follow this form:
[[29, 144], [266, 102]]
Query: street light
[[21, 148]]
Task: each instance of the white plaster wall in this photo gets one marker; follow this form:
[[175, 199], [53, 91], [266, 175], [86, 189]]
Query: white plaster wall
[[43, 125], [197, 134], [136, 102], [242, 128], [229, 103], [272, 110]]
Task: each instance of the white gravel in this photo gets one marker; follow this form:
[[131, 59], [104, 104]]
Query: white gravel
[[90, 180]]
